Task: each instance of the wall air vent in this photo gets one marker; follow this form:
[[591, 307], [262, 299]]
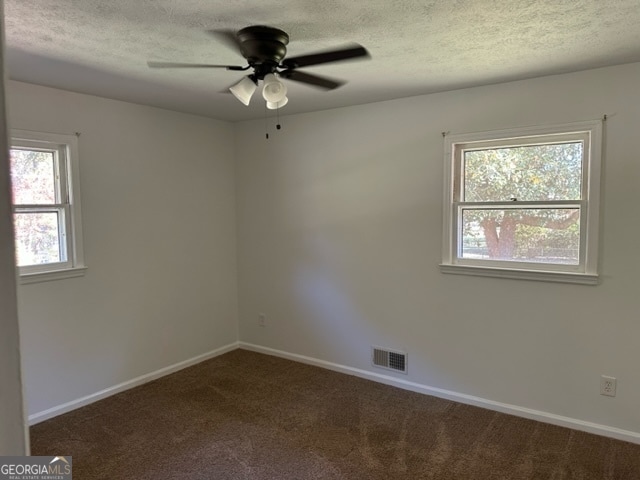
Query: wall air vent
[[389, 359]]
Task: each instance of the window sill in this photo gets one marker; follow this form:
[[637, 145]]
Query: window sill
[[28, 278], [561, 277]]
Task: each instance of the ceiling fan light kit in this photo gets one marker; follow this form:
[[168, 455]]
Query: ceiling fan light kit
[[265, 49], [277, 105], [274, 90], [243, 90]]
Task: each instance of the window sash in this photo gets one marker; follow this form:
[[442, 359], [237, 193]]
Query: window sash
[[565, 205], [60, 156], [523, 141], [64, 246]]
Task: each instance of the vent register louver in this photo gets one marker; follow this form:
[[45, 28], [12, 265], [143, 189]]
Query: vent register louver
[[389, 359]]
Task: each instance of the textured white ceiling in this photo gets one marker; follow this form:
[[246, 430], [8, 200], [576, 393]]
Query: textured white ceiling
[[418, 46]]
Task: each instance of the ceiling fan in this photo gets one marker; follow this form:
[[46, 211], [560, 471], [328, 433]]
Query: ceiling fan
[[265, 49]]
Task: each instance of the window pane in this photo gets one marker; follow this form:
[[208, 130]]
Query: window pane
[[522, 235], [528, 173], [33, 177], [37, 238]]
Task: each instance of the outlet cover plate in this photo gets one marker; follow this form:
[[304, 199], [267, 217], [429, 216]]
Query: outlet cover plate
[[608, 386]]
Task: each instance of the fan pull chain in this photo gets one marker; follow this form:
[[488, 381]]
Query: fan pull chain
[[266, 121]]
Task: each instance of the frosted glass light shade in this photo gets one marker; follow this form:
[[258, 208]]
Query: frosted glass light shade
[[280, 104], [243, 90], [274, 90]]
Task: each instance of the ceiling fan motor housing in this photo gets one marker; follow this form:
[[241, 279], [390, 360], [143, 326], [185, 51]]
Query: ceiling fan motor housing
[[263, 47]]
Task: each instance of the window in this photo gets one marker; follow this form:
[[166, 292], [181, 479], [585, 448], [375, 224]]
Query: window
[[524, 203], [46, 206]]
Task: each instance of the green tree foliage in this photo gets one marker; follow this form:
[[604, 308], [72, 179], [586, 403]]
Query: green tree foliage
[[529, 173]]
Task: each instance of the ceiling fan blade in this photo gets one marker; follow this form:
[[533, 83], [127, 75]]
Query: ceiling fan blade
[[355, 51], [227, 37], [193, 65], [310, 79]]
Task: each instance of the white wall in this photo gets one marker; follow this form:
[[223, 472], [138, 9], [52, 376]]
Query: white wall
[[339, 230], [13, 437], [158, 204], [339, 238]]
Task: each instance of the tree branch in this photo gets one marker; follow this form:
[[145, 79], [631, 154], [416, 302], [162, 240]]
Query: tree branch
[[560, 224]]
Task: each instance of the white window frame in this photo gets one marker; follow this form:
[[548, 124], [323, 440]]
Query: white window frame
[[586, 272], [65, 148]]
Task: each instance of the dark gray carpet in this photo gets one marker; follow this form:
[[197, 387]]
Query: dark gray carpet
[[245, 415]]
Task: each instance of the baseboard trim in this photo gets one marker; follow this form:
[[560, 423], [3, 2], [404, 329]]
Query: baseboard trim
[[590, 427], [598, 429], [121, 387]]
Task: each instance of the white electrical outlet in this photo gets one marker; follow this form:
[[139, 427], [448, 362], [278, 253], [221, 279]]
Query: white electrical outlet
[[608, 386], [262, 320]]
